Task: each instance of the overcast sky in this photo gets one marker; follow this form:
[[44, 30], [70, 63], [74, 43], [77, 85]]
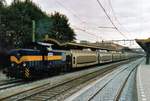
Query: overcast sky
[[132, 17]]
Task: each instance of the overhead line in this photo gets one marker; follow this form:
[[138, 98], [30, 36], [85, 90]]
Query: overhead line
[[109, 1], [69, 11], [107, 27], [59, 3], [77, 28], [76, 16], [80, 18], [110, 18]]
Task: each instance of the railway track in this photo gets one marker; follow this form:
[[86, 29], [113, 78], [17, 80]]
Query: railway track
[[117, 95], [10, 84], [48, 92], [110, 88], [8, 81]]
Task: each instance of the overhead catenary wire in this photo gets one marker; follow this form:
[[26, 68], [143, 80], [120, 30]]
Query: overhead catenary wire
[[59, 3], [84, 22], [97, 27], [77, 28], [89, 33], [109, 1], [100, 4], [78, 18]]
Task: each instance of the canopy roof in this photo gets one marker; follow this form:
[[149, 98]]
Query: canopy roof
[[145, 44], [92, 46]]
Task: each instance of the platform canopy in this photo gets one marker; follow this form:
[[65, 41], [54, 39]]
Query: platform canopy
[[145, 44], [92, 46]]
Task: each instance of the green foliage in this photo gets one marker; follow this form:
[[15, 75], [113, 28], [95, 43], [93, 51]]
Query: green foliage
[[3, 27], [16, 24], [20, 19], [43, 26], [60, 28], [2, 3]]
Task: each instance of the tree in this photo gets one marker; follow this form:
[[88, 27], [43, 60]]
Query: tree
[[3, 27], [2, 3], [43, 27], [60, 28], [16, 24], [20, 16]]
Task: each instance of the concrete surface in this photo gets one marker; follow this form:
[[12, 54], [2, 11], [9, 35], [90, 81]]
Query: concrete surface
[[143, 82], [108, 93]]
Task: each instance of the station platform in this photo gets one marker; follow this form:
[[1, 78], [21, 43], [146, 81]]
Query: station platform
[[143, 82]]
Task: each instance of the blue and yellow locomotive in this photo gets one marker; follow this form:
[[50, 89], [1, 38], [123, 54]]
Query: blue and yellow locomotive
[[33, 63]]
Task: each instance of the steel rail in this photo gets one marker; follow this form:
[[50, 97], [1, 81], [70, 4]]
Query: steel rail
[[33, 92]]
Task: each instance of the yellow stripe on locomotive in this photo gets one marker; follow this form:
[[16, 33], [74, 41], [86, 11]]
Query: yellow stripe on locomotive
[[34, 58]]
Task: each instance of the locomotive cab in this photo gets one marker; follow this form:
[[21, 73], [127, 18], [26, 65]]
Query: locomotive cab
[[22, 61], [37, 62]]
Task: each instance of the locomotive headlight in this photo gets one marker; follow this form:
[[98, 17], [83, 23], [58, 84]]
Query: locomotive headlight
[[24, 64], [12, 64]]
